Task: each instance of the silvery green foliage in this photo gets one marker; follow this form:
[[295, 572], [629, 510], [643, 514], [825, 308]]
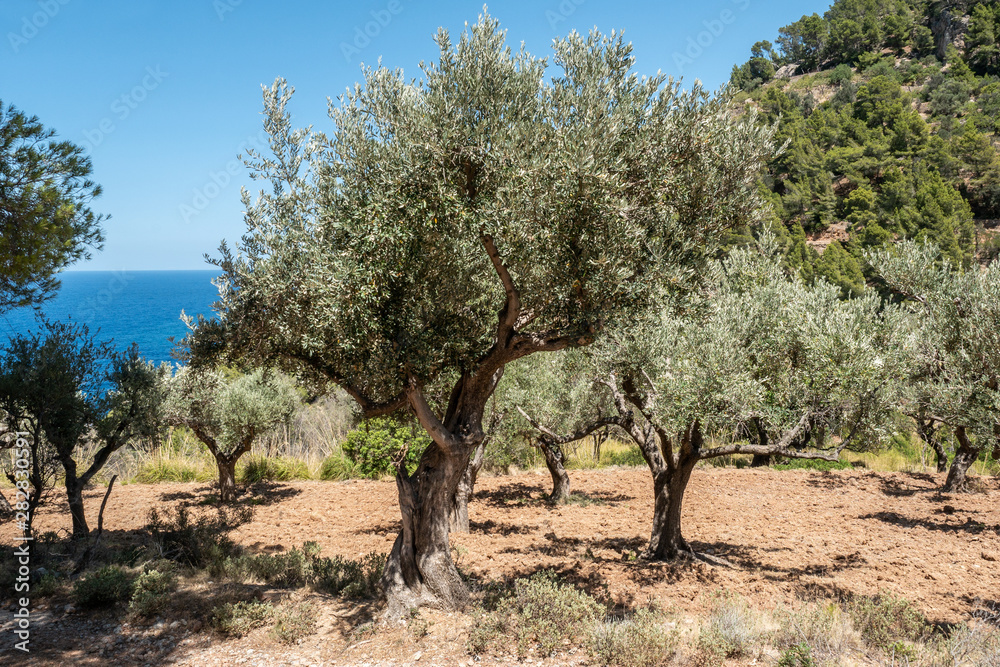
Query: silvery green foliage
[[763, 345], [955, 355], [366, 259], [230, 411]]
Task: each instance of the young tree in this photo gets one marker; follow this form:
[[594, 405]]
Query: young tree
[[69, 390], [45, 219], [454, 224], [228, 413], [763, 349], [955, 363], [554, 395]]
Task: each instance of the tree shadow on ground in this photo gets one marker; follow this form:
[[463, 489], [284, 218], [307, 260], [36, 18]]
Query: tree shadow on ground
[[259, 493], [970, 525], [491, 527], [535, 495], [516, 493]]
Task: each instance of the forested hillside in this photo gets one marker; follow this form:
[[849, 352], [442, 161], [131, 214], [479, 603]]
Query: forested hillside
[[891, 111]]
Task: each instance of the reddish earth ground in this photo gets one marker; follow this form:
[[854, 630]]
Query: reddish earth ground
[[787, 536]]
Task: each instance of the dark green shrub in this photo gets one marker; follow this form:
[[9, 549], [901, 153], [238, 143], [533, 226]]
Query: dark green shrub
[[841, 74], [199, 543], [107, 586], [376, 443], [151, 592], [349, 578], [337, 467]]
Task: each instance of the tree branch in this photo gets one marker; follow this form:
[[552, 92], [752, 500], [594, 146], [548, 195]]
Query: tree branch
[[512, 307], [581, 432], [430, 422]]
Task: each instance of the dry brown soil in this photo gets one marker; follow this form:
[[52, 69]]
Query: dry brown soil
[[779, 537]]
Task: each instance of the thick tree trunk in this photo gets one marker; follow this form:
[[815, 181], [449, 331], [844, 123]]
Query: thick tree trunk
[[459, 517], [554, 461], [666, 541], [965, 456], [74, 493], [420, 571], [227, 478]]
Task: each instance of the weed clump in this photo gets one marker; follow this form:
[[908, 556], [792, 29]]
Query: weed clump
[[237, 619], [637, 641], [294, 623], [886, 622], [540, 612], [272, 469]]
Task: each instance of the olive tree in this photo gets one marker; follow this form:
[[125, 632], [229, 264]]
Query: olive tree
[[955, 361], [69, 390], [554, 395], [457, 222], [228, 412], [761, 348]]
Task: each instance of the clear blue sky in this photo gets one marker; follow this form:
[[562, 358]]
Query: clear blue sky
[[166, 94]]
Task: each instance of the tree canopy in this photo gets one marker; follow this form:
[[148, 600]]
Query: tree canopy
[[453, 224], [46, 222]]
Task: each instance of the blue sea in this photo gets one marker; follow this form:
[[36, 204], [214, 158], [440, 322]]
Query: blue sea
[[143, 307]]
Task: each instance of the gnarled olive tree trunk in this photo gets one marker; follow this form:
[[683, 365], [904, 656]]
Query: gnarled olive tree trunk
[[555, 462], [670, 480], [965, 456], [227, 478], [420, 571]]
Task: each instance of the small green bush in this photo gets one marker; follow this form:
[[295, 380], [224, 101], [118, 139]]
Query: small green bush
[[539, 612], [237, 619], [336, 467], [278, 469], [349, 578], [884, 620], [107, 586], [841, 74], [799, 655], [151, 592], [377, 442], [639, 641], [294, 623]]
